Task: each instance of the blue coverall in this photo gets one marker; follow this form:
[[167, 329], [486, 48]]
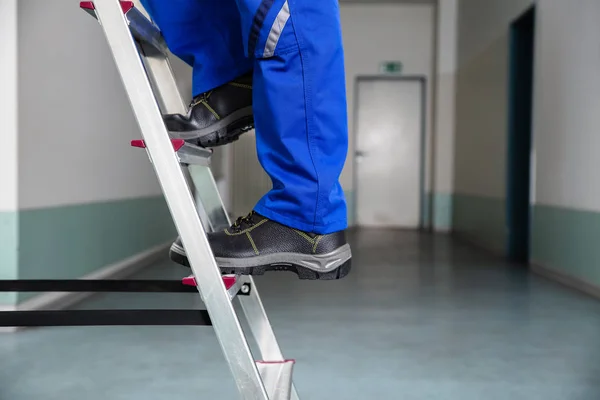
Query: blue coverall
[[294, 48]]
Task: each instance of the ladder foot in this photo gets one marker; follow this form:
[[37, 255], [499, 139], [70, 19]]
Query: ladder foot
[[277, 376]]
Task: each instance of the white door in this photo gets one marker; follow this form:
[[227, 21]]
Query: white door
[[388, 152]]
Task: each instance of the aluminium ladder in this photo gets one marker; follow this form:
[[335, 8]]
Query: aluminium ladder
[[184, 174]]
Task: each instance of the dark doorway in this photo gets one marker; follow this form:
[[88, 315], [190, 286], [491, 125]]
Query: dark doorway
[[520, 110]]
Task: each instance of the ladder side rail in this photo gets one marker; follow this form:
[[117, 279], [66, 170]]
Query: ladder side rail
[[180, 201], [162, 79], [209, 196]]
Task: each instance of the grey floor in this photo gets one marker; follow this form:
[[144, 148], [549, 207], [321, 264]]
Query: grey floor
[[420, 317]]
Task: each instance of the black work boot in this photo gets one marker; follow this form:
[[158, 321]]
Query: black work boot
[[255, 244], [216, 117]]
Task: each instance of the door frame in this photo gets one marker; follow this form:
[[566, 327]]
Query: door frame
[[422, 80], [520, 143]]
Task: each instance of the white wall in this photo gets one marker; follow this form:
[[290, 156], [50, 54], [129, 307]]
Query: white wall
[[379, 32], [75, 121], [8, 105], [567, 104], [484, 21]]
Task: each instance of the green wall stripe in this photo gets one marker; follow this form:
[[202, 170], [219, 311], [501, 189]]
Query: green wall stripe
[[72, 241], [8, 252], [442, 211], [482, 219], [567, 241], [425, 212]]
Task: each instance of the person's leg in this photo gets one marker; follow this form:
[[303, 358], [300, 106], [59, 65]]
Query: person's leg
[[302, 138], [207, 35], [301, 117]]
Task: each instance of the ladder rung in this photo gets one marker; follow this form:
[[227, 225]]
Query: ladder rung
[[232, 284], [228, 280], [89, 6], [186, 152], [141, 27]]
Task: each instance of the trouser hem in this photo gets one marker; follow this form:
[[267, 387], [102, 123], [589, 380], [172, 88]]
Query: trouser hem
[[324, 229]]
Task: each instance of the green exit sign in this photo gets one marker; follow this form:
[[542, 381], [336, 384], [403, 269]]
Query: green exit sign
[[390, 67]]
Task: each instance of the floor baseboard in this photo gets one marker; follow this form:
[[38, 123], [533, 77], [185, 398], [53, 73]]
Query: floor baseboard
[[566, 280], [538, 269]]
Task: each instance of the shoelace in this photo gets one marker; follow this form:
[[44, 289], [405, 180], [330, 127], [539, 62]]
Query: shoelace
[[203, 98], [237, 225]]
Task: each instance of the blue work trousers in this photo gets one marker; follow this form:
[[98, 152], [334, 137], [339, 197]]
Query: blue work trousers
[[294, 48]]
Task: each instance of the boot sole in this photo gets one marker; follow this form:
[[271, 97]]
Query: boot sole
[[334, 265], [224, 131]]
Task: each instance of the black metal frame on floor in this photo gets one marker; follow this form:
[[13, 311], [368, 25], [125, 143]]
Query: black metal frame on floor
[[111, 317]]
